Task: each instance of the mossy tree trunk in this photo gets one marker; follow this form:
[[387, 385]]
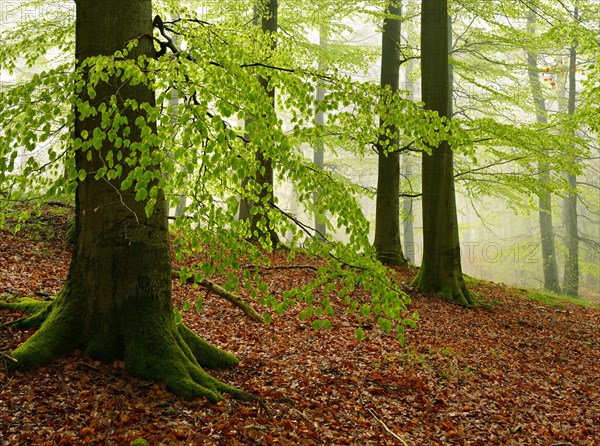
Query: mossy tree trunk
[[387, 208], [116, 303], [440, 270]]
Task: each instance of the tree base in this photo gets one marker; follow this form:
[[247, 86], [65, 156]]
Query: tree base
[[453, 289], [391, 258], [156, 350]]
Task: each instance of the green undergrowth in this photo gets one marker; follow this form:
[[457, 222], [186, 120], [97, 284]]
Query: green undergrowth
[[37, 221], [550, 299], [474, 281], [546, 298], [443, 362]]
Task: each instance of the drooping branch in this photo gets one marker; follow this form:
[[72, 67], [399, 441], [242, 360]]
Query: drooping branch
[[273, 267], [222, 292]]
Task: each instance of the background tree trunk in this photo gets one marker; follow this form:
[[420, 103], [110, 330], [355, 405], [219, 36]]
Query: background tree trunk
[[571, 276], [550, 270], [387, 211], [116, 303], [440, 269], [319, 150], [265, 174], [408, 172], [245, 209]]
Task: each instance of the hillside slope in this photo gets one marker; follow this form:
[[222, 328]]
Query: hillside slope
[[516, 372]]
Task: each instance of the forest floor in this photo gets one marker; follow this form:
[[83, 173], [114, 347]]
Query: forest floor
[[515, 372]]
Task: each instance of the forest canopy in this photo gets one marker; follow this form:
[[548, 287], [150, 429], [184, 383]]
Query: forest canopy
[[234, 99]]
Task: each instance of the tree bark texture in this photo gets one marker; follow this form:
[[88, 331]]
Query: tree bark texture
[[258, 212]]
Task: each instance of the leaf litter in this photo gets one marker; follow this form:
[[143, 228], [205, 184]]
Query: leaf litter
[[513, 372]]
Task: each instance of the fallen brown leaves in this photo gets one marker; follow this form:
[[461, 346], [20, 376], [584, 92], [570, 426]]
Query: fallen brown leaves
[[517, 374]]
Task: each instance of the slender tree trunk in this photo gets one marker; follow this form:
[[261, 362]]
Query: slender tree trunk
[[549, 267], [407, 211], [440, 269], [246, 205], [116, 303], [319, 152], [245, 210], [387, 213], [260, 223], [173, 104], [318, 159], [408, 174], [571, 276]]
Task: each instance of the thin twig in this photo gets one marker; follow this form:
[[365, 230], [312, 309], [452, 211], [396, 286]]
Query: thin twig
[[268, 268], [389, 431], [512, 346], [6, 324], [10, 358]]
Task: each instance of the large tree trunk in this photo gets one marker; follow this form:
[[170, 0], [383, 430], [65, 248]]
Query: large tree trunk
[[549, 267], [440, 270], [571, 277], [387, 212], [116, 303]]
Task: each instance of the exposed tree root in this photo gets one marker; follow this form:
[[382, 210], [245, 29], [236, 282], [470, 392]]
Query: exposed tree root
[[169, 359], [206, 354], [25, 304], [38, 309]]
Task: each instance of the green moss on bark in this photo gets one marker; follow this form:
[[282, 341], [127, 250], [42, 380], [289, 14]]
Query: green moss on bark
[[26, 304], [57, 336], [151, 352], [117, 303], [452, 289], [154, 348], [40, 309], [206, 354], [104, 347]]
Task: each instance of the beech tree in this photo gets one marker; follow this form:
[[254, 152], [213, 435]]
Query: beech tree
[[571, 271], [550, 270], [513, 161], [116, 303], [387, 214], [319, 149], [441, 269], [124, 150], [258, 211]]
